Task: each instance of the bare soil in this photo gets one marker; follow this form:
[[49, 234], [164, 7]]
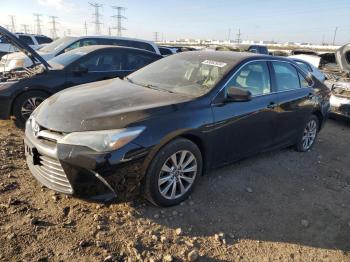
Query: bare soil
[[278, 206]]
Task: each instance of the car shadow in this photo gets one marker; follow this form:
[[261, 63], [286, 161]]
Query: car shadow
[[280, 196]]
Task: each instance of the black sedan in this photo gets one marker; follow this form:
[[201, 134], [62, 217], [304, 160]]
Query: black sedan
[[162, 127], [25, 89]]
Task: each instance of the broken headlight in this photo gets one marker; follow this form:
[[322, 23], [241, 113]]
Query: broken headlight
[[102, 141]]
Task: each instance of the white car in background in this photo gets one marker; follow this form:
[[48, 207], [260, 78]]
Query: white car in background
[[62, 45], [34, 41]]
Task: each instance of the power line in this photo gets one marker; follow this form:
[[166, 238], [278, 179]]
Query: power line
[[38, 23], [54, 28], [13, 24], [119, 18], [97, 16]]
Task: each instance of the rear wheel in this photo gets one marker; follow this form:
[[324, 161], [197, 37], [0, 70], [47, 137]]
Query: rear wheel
[[173, 173], [308, 137], [25, 104]]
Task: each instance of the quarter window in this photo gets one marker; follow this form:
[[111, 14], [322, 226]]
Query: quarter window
[[303, 82], [286, 76], [43, 40], [253, 77], [304, 66]]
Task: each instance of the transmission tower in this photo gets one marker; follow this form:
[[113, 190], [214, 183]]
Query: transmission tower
[[97, 16], [156, 36], [119, 18], [239, 36], [25, 28], [85, 28], [13, 24], [38, 23], [53, 28]]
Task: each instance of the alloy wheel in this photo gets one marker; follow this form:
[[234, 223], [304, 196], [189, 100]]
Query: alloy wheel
[[177, 175], [309, 134], [30, 105]]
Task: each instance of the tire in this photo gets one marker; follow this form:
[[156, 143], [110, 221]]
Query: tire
[[25, 104], [162, 172], [309, 133]]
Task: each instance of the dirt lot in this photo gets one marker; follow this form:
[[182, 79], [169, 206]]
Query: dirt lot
[[278, 206]]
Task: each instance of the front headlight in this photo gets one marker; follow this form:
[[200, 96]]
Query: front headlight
[[103, 141], [15, 63]]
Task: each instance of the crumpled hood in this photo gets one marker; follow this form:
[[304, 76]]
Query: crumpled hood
[[103, 105], [340, 56]]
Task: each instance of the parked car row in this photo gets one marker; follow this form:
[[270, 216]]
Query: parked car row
[[160, 128]]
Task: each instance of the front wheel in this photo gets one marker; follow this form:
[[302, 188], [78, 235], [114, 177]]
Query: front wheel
[[25, 104], [173, 173], [308, 137]]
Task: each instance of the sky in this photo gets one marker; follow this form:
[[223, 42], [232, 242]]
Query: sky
[[311, 21]]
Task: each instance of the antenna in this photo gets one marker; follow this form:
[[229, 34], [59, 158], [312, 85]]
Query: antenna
[[38, 23], [13, 24], [156, 36], [119, 18], [25, 28], [97, 16], [54, 28]]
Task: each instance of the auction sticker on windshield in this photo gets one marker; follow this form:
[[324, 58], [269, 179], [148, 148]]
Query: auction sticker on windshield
[[214, 63]]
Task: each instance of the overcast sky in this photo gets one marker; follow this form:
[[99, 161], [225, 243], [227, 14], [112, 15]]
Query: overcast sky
[[279, 20]]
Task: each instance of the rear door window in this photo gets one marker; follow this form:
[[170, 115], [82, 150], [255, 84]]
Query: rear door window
[[136, 60], [304, 66], [286, 76], [102, 62], [130, 43], [26, 39]]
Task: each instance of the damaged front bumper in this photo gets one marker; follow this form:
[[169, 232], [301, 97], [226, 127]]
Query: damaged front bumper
[[340, 99], [82, 172]]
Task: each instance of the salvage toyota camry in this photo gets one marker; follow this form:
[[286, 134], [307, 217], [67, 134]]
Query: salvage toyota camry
[[158, 130]]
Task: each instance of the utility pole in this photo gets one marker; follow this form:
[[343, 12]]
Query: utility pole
[[97, 16], [38, 23], [229, 34], [13, 24], [86, 29], [25, 28], [119, 18], [239, 36], [109, 31], [54, 28], [335, 34], [156, 36]]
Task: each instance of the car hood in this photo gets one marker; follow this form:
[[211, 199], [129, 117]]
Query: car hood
[[104, 105], [27, 50], [340, 56]]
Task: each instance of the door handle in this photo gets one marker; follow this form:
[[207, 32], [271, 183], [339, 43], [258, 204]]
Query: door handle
[[272, 105]]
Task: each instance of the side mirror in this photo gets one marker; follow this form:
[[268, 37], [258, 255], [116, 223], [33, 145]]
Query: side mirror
[[235, 94], [309, 78], [80, 70]]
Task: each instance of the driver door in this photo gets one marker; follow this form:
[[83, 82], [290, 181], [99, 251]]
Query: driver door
[[245, 128]]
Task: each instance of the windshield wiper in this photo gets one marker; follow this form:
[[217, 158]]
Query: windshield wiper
[[148, 86]]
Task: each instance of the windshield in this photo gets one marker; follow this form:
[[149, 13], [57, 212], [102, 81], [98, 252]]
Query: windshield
[[55, 45], [66, 59], [193, 75]]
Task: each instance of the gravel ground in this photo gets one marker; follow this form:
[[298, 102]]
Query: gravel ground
[[278, 206]]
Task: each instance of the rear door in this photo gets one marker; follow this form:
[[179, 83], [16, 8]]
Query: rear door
[[295, 101], [136, 59], [245, 128]]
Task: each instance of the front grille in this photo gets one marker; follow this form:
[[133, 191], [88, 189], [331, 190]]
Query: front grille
[[42, 160]]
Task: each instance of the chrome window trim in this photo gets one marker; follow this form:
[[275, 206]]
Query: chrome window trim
[[259, 60]]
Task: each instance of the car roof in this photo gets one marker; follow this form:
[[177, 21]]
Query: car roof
[[92, 48]]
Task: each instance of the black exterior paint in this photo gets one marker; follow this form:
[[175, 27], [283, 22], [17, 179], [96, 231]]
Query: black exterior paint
[[224, 131], [55, 80]]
